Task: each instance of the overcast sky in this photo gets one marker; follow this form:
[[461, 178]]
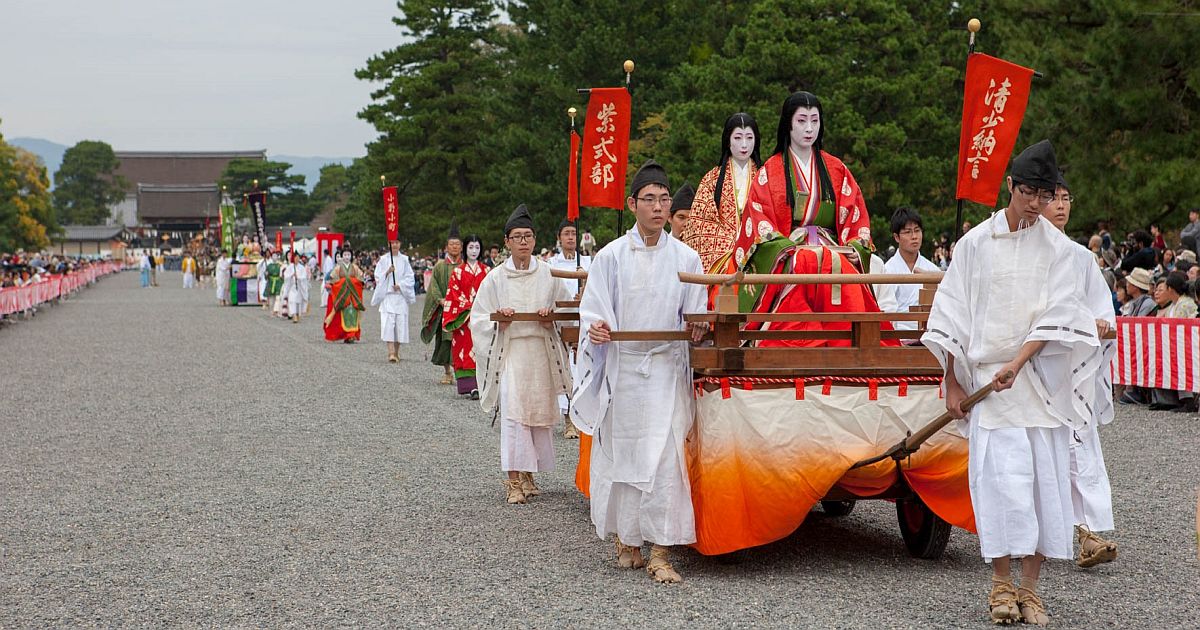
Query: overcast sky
[[192, 75]]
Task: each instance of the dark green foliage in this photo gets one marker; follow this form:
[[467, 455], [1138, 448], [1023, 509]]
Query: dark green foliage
[[85, 185]]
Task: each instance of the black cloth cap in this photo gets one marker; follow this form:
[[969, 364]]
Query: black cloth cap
[[1036, 166], [1062, 182], [566, 223], [650, 173], [453, 231], [683, 199], [520, 218]]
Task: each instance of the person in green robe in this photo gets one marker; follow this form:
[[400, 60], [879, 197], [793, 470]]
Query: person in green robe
[[435, 299], [274, 281]]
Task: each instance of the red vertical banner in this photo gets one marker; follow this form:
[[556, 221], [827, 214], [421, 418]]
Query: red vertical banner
[[279, 240], [293, 240], [994, 101], [573, 179], [391, 212], [606, 148]]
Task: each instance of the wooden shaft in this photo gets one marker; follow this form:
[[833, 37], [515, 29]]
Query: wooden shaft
[[569, 274], [811, 278], [910, 444]]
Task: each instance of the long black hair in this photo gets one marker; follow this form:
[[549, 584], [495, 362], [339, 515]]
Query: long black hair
[[737, 121], [783, 139]]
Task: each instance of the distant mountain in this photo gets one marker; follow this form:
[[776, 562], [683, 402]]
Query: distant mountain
[[51, 154]]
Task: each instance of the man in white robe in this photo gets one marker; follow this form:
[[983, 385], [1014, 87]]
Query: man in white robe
[[1009, 311], [261, 273], [327, 263], [568, 258], [295, 287], [635, 398], [394, 293], [222, 278], [908, 230], [1091, 493], [522, 365]]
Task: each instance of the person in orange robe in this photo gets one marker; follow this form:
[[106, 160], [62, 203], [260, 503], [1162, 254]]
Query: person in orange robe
[[722, 195], [345, 300], [811, 201]]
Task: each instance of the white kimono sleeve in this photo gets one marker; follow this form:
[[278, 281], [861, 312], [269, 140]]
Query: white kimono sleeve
[[488, 341], [592, 394]]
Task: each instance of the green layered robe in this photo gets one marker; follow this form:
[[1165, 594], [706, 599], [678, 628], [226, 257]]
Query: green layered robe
[[431, 317]]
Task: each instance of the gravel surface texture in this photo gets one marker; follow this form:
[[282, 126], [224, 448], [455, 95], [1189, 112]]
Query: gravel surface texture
[[166, 462]]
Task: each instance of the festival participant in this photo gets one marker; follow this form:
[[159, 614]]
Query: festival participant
[[569, 258], [681, 209], [145, 265], [295, 287], [221, 272], [260, 273], [395, 290], [1091, 494], [431, 317], [523, 365], [722, 195], [274, 282], [1011, 300], [456, 315], [807, 194], [345, 299], [188, 267], [328, 262], [635, 398], [908, 229], [160, 262]]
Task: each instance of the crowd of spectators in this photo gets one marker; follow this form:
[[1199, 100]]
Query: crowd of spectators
[[22, 269], [1153, 274]]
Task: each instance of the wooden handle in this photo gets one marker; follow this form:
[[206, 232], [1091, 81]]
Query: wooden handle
[[567, 274], [811, 278], [910, 444]]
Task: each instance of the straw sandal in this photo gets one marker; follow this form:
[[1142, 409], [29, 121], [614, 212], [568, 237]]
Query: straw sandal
[[1032, 609], [660, 569], [529, 488], [629, 557], [1002, 602], [1093, 550], [512, 489]]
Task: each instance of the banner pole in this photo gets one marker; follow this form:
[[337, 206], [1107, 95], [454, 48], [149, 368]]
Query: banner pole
[[628, 66], [392, 258], [973, 25]]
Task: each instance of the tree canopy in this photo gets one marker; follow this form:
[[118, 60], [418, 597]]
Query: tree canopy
[[471, 110], [86, 185], [288, 201]]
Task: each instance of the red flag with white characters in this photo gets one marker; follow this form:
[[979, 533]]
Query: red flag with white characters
[[994, 101], [605, 148]]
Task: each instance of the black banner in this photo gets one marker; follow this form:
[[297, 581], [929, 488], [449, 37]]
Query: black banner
[[258, 210]]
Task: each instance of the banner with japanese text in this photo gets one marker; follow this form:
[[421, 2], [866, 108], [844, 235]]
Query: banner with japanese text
[[257, 202], [391, 212], [606, 148], [228, 216], [994, 101]]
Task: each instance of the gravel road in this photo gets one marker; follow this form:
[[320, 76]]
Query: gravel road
[[166, 462]]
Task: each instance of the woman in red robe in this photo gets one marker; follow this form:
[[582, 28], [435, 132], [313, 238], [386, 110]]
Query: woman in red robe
[[812, 201], [456, 315], [345, 300]]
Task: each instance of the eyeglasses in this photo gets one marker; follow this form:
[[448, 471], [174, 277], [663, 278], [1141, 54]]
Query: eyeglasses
[[664, 200], [1044, 196], [521, 238], [910, 231]]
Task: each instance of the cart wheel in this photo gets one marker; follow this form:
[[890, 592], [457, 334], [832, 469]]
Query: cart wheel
[[837, 508], [925, 533]]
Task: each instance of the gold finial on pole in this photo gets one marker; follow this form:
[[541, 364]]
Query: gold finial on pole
[[383, 180], [256, 183], [571, 111], [628, 66], [973, 25]]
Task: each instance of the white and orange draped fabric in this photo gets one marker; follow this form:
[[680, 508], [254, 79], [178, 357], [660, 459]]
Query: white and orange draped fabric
[[1158, 352], [763, 452]]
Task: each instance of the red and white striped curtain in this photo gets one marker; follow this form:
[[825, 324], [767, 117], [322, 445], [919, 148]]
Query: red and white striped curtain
[[1158, 352]]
